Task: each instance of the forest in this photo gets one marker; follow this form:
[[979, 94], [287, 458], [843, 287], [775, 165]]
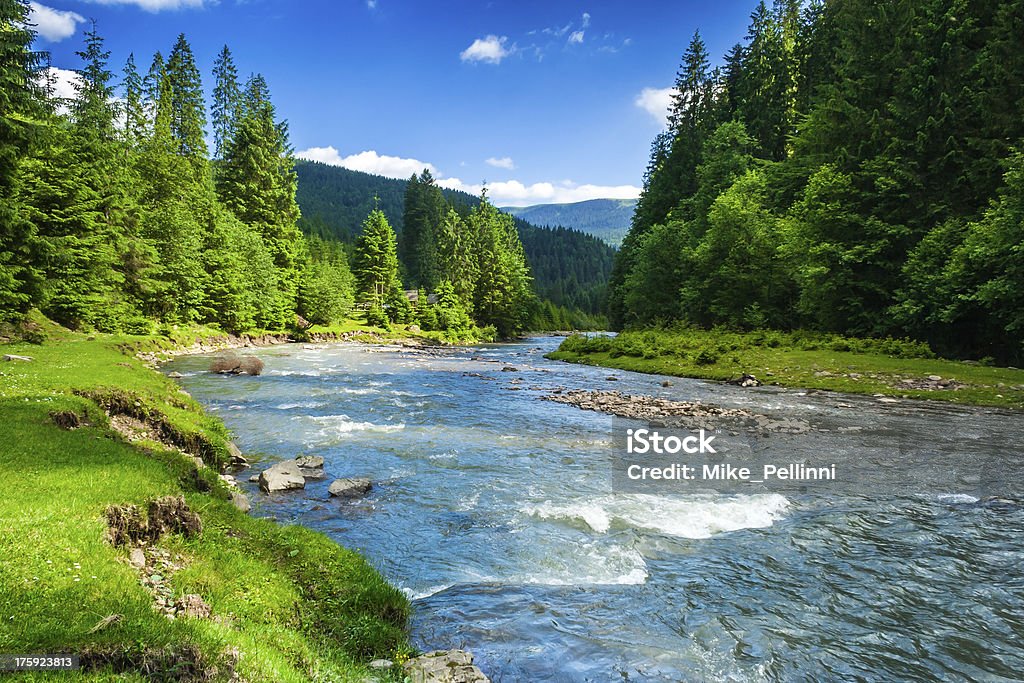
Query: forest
[[852, 167], [116, 216], [570, 269]]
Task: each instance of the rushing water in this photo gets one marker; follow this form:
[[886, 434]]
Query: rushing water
[[492, 509]]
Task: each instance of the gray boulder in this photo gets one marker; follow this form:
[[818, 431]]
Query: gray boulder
[[241, 501], [284, 476], [350, 487], [237, 458], [444, 666], [312, 466]]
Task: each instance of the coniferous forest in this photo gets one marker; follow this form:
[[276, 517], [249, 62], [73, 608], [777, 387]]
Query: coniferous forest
[[116, 216], [852, 167]]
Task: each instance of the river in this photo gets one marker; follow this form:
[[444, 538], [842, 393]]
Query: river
[[493, 510]]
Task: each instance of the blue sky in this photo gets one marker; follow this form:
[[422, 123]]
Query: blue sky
[[543, 101]]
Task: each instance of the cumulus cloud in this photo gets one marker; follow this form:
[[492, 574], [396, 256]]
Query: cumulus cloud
[[53, 25], [656, 102], [368, 162], [576, 38], [516, 193], [508, 193], [503, 162], [490, 49], [155, 5], [61, 84]]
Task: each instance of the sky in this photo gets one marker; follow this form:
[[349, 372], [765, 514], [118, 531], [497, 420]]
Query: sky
[[541, 101]]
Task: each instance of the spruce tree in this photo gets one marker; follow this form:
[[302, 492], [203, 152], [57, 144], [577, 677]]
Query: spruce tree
[[376, 266], [188, 109], [135, 122], [22, 115], [227, 101]]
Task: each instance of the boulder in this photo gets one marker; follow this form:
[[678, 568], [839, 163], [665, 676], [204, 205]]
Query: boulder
[[350, 487], [175, 375], [510, 368], [137, 558], [934, 378], [310, 462], [284, 476], [444, 666], [666, 383], [241, 501], [237, 459]]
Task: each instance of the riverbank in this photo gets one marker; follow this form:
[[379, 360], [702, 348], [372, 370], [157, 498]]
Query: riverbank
[[884, 368], [184, 584]]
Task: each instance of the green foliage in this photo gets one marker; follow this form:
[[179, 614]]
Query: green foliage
[[327, 290], [376, 268], [878, 136]]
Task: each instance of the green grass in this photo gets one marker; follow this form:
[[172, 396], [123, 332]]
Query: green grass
[[799, 360], [293, 604]]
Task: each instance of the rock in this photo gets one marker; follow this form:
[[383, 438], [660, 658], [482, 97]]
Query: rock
[[11, 356], [886, 399], [284, 476], [241, 501], [945, 382], [350, 487], [509, 368], [237, 458], [175, 375], [612, 378], [823, 373], [414, 329], [194, 606], [451, 666], [934, 378], [745, 380], [310, 462], [137, 558], [254, 478], [666, 383], [381, 664]]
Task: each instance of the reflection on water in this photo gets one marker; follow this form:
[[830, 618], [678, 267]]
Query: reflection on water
[[493, 510]]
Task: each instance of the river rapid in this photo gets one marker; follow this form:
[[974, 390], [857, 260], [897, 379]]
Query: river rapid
[[493, 510]]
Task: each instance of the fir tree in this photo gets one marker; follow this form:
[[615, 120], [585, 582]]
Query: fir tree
[[227, 101]]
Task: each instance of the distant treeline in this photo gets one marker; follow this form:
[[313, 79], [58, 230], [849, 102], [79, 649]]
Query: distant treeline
[[853, 167], [569, 268]]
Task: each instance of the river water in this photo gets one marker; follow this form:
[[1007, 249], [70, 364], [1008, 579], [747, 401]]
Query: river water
[[493, 510]]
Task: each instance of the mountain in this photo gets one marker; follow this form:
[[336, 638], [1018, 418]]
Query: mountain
[[569, 268], [606, 219]]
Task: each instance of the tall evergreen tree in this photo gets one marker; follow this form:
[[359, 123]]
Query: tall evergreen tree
[[376, 266], [22, 112], [424, 210], [227, 101], [135, 122], [188, 108]]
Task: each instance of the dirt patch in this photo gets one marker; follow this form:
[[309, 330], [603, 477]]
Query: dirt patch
[[134, 429], [170, 514], [185, 663], [68, 419]]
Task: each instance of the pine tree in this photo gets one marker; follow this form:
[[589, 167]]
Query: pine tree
[[135, 123], [376, 266], [256, 180], [227, 101], [22, 112], [424, 209], [188, 110]]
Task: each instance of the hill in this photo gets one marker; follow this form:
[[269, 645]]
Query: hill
[[606, 219], [570, 268]]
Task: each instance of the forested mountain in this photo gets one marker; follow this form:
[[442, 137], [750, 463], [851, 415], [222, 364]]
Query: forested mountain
[[569, 268], [606, 219], [853, 166]]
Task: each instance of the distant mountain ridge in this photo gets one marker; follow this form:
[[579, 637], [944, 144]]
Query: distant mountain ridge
[[606, 219]]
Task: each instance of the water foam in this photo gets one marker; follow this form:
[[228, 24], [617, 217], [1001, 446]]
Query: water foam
[[343, 424], [691, 517]]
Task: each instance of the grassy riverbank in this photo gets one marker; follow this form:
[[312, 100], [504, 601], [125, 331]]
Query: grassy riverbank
[[861, 366], [287, 604]]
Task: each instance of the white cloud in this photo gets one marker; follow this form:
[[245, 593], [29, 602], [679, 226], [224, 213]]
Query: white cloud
[[576, 38], [368, 162], [490, 49], [508, 193], [53, 25], [586, 19], [503, 162], [155, 5], [656, 102], [62, 85], [372, 4], [515, 193]]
